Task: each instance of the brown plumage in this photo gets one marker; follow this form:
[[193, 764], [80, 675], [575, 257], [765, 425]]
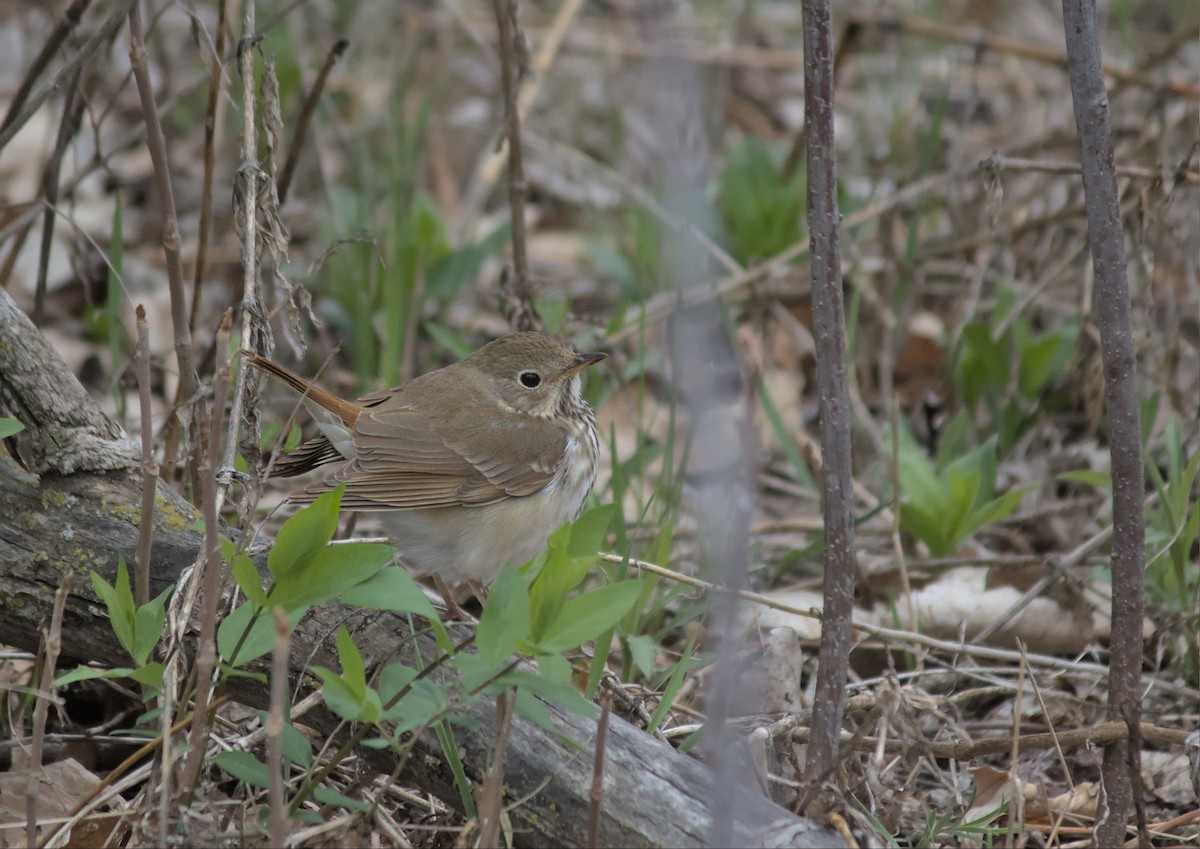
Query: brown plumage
[[473, 464]]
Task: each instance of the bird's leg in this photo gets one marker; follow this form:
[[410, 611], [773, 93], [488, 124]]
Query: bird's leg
[[480, 592], [456, 613]]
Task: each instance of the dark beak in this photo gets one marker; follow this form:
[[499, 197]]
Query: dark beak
[[582, 361]]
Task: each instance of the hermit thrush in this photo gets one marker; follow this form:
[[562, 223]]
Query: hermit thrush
[[470, 466]]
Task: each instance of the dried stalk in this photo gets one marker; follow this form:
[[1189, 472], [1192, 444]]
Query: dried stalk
[[596, 794], [141, 358], [278, 822], [491, 794], [213, 120], [306, 115], [157, 145], [67, 128], [524, 315], [830, 334], [210, 581], [41, 710], [1107, 240], [14, 123]]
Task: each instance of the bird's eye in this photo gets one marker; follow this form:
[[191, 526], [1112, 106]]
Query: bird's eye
[[530, 379]]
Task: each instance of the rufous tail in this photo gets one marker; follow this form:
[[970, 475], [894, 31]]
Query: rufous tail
[[347, 411]]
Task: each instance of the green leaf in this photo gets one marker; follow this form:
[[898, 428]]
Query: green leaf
[[9, 427], [981, 462], [260, 639], [589, 531], [245, 574], [918, 480], [562, 693], [996, 509], [673, 684], [761, 210], [149, 675], [505, 617], [308, 531], [586, 616], [327, 573], [326, 795], [530, 707], [118, 600], [391, 588], [147, 626], [983, 364], [353, 671], [1088, 477], [416, 708], [339, 696], [347, 699], [963, 489], [296, 748], [461, 267], [244, 767], [644, 651], [925, 526], [90, 673]]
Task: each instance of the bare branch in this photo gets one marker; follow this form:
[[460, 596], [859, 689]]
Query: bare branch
[[1107, 240], [830, 332]]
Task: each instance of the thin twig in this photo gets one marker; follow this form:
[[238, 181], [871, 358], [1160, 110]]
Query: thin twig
[[491, 795], [664, 303], [213, 122], [1107, 240], [998, 163], [848, 42], [70, 20], [307, 110], [789, 59], [14, 123], [41, 710], [210, 582], [830, 334], [67, 128], [525, 315], [255, 330], [1100, 734], [157, 145], [981, 43], [488, 170], [274, 728], [141, 358], [596, 794], [898, 636]]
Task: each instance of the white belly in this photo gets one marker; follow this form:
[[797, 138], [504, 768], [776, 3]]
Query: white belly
[[473, 543]]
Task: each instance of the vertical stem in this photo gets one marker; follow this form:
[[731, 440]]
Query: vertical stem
[[829, 324], [245, 190], [274, 728], [212, 122], [1107, 241], [156, 143], [149, 466], [45, 694], [526, 316], [212, 564]]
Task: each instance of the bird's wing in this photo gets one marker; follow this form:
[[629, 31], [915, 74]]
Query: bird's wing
[[405, 461], [308, 455]]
